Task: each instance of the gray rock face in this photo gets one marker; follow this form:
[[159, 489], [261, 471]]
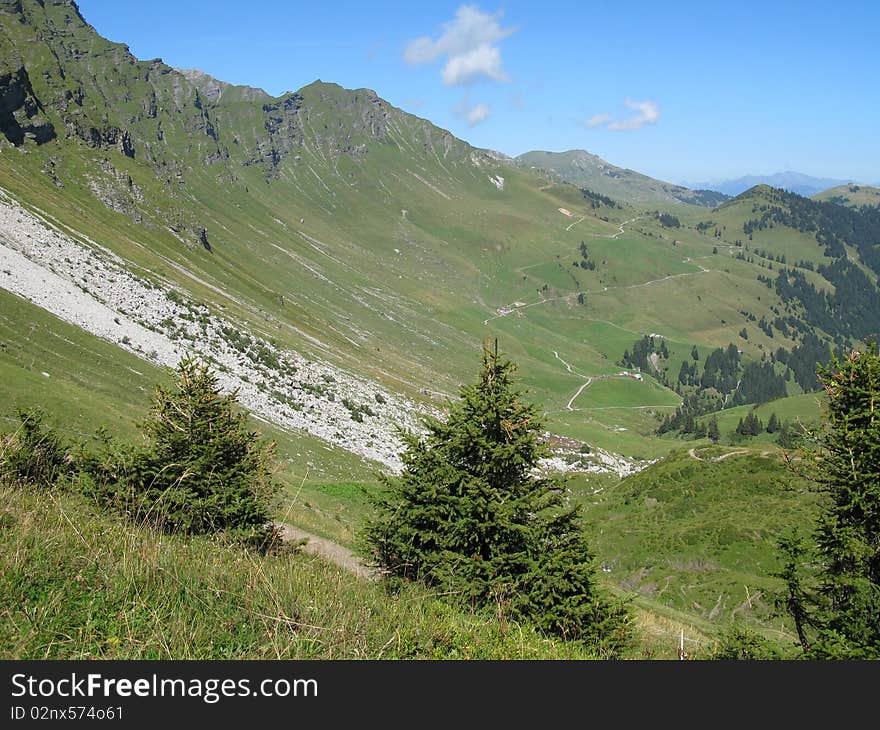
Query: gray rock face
[[21, 114]]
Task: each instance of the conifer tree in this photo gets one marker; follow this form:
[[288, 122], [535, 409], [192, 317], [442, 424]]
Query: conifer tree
[[844, 462], [202, 471], [713, 432], [470, 516]]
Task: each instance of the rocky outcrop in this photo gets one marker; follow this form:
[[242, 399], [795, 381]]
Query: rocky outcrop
[[22, 117], [203, 239]]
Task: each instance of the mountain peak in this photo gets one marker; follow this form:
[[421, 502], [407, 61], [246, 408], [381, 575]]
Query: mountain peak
[[213, 89]]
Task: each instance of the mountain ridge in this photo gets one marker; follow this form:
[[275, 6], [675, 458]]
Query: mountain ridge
[[795, 182], [590, 171], [329, 223]]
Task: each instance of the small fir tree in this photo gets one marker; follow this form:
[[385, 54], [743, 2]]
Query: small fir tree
[[469, 516], [713, 432], [202, 471], [34, 453]]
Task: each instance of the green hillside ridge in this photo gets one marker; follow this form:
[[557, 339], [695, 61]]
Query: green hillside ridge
[[586, 170], [850, 195], [697, 531]]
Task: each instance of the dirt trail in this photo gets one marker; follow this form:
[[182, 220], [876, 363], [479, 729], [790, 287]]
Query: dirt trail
[[620, 231], [576, 395], [517, 306], [328, 550], [572, 225], [693, 454]]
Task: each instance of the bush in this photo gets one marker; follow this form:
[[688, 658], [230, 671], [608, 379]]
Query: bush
[[202, 471], [739, 643], [33, 453]]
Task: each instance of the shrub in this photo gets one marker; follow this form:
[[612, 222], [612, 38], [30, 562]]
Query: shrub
[[739, 643], [33, 453]]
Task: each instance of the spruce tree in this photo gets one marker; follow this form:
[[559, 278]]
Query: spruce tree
[[713, 432], [203, 470], [843, 606], [470, 516]]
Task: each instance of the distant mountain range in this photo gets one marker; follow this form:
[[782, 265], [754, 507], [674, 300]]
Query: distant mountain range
[[794, 182], [587, 170]]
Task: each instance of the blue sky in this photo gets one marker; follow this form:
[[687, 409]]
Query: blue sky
[[684, 91]]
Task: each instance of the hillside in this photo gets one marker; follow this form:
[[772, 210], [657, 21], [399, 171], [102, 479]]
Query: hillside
[[851, 195], [340, 260], [696, 532], [590, 171], [89, 587]]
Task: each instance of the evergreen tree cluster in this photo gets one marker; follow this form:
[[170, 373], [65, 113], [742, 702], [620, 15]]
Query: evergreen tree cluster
[[803, 359], [585, 262], [597, 199], [667, 220], [759, 383], [642, 350], [721, 369], [750, 425], [726, 381], [852, 310], [684, 419], [832, 224]]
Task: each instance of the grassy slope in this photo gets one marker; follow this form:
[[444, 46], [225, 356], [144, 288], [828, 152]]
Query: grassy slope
[[698, 536], [79, 585], [850, 195]]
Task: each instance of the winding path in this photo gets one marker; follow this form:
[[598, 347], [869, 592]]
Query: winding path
[[740, 452], [328, 550], [572, 225], [579, 391], [620, 231], [509, 309], [693, 454]]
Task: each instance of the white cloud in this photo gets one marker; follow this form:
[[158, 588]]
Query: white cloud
[[469, 43], [598, 120], [647, 113], [473, 115], [482, 61], [478, 114]]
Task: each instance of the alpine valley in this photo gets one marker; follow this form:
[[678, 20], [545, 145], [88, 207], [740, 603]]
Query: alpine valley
[[339, 263]]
